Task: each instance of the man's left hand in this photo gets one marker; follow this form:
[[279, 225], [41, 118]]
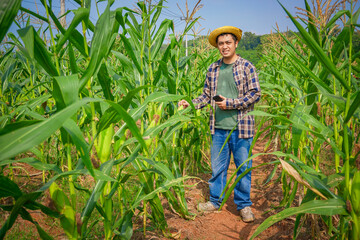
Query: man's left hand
[[222, 104]]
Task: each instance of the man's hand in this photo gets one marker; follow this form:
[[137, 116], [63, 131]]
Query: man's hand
[[183, 103], [222, 104]]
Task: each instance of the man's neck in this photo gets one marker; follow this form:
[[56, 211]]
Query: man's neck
[[230, 60]]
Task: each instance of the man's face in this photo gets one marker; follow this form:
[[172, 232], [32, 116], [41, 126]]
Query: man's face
[[227, 46]]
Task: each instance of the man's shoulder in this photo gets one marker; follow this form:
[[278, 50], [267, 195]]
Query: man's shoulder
[[214, 65], [244, 62]]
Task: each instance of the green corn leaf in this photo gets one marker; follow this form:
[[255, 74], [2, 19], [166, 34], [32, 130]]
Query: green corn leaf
[[25, 138], [65, 90], [36, 206], [133, 31], [154, 131], [171, 84], [81, 145], [292, 83], [160, 97], [32, 41], [96, 193], [105, 82], [355, 193], [8, 11], [103, 147], [125, 62], [8, 54], [121, 178], [317, 50], [76, 38], [272, 174], [154, 97], [301, 118], [81, 14], [296, 117], [34, 14], [59, 197], [119, 16], [135, 26], [159, 36], [151, 194], [8, 188], [320, 85], [111, 116], [34, 163], [162, 168], [129, 122], [337, 15], [16, 125], [311, 25], [321, 207], [165, 187], [190, 26], [336, 99], [342, 40], [353, 107], [99, 46], [313, 77], [131, 52], [26, 215], [291, 46], [124, 226], [159, 7], [99, 175], [43, 235], [72, 59], [261, 113], [16, 210], [62, 203]]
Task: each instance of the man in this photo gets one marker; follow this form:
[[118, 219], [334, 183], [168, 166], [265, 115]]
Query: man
[[235, 80]]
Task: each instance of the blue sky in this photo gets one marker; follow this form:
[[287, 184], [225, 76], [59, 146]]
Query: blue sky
[[257, 16]]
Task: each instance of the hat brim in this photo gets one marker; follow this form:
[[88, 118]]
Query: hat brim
[[226, 29]]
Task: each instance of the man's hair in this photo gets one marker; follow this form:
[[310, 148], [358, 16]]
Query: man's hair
[[223, 34]]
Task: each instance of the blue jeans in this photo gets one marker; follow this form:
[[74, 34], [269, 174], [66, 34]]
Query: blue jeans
[[220, 161]]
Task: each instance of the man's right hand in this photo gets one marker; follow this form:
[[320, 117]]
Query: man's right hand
[[183, 103]]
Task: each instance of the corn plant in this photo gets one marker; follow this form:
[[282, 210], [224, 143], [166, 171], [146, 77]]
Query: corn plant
[[312, 77], [70, 87]]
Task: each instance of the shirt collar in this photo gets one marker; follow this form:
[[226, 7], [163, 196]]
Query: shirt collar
[[220, 61]]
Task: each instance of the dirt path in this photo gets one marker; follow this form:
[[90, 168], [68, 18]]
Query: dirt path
[[227, 223]]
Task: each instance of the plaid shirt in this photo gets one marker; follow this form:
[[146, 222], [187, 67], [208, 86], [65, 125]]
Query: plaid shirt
[[248, 86]]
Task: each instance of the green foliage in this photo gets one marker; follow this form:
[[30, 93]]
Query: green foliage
[[312, 103], [249, 41], [252, 55], [108, 105], [8, 11]]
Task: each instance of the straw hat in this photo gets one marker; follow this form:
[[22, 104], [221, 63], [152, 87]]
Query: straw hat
[[225, 29]]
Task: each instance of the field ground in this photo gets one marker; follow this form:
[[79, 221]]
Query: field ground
[[220, 225]]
